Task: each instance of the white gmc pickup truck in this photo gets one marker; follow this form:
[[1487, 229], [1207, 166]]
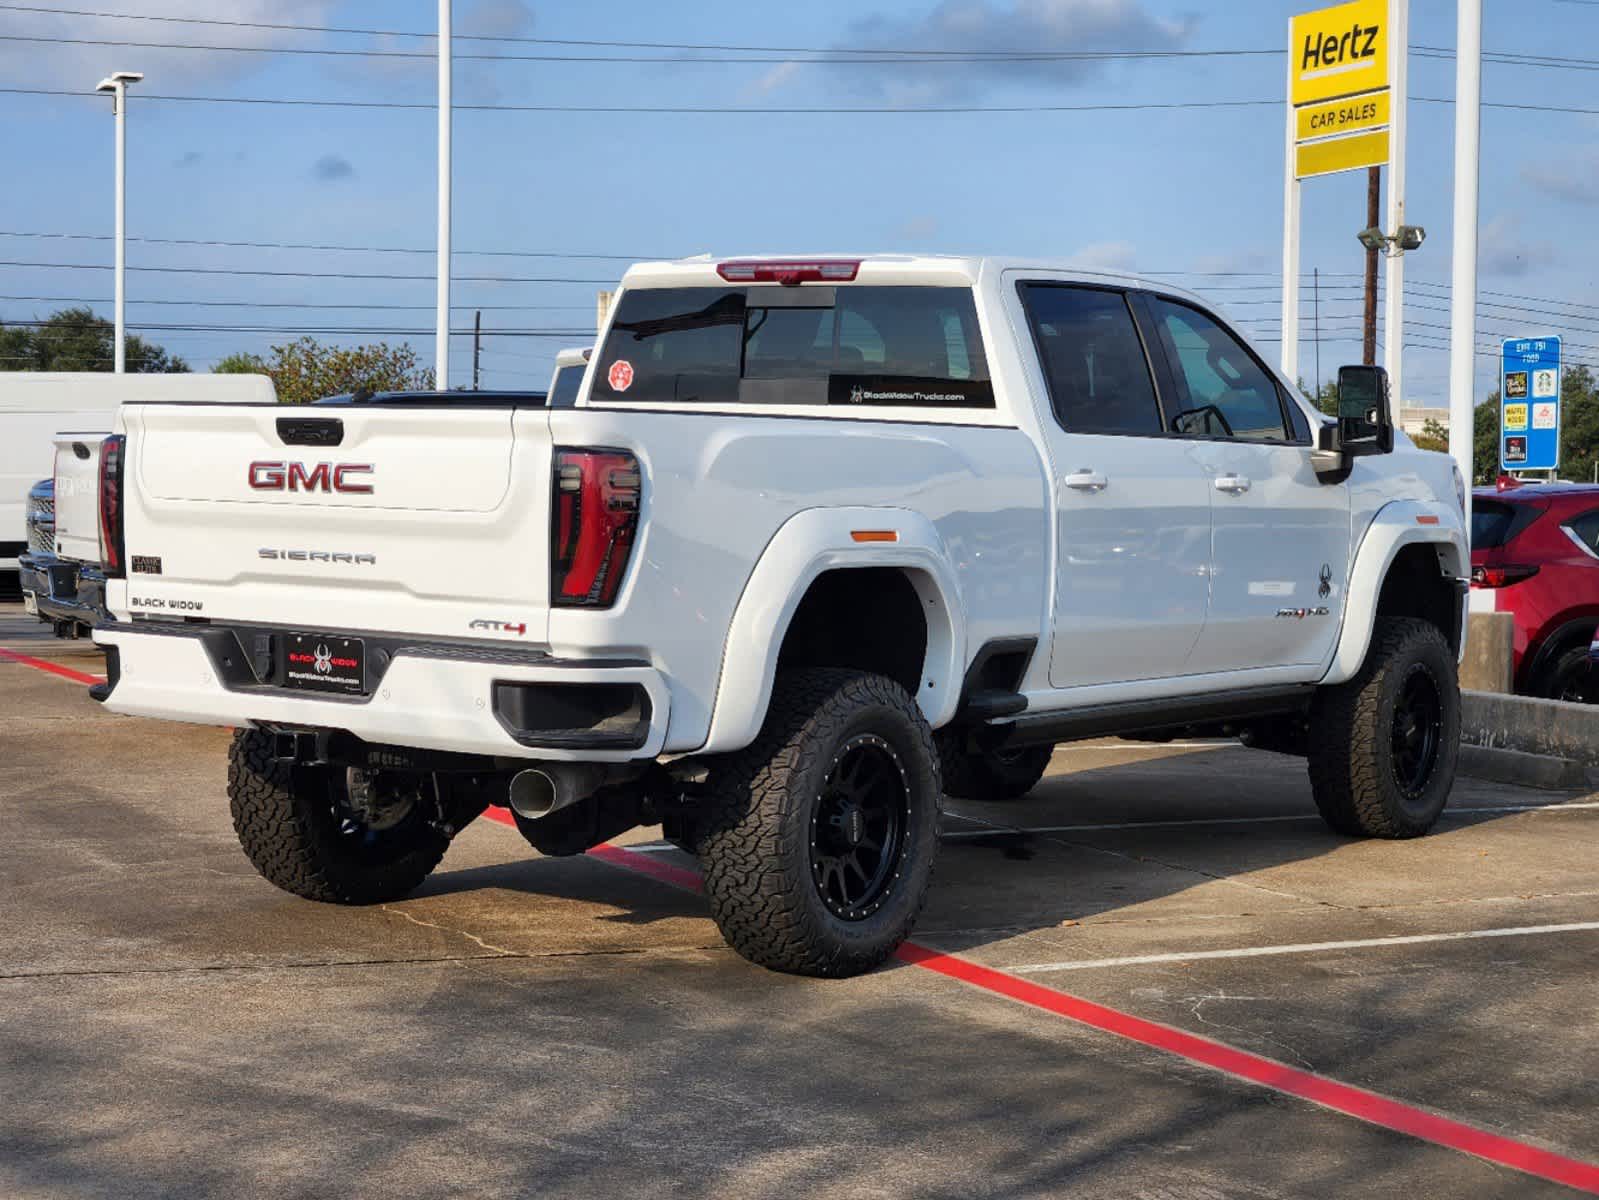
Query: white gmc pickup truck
[[819, 542]]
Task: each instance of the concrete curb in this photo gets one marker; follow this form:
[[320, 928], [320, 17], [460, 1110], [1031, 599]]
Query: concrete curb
[[1550, 728], [1523, 770]]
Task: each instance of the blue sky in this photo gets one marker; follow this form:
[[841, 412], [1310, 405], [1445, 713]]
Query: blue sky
[[1165, 190]]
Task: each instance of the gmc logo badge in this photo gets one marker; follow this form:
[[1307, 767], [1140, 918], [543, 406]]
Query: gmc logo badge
[[300, 477]]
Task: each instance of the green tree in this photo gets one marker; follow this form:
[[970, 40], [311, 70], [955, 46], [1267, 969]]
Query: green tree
[[74, 339], [242, 363], [1433, 436], [305, 369]]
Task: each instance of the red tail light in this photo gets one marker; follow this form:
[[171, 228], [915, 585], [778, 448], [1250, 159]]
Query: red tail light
[[789, 274], [596, 508], [1500, 576], [112, 453]]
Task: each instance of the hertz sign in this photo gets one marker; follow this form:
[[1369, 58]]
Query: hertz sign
[[1338, 85]]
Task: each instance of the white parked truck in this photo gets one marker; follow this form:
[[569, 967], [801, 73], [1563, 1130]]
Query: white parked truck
[[820, 541], [37, 405]]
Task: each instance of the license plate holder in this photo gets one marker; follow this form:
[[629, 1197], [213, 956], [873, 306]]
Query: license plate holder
[[321, 662]]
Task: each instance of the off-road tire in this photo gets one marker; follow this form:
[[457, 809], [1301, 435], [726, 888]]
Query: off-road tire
[[1351, 748], [287, 827], [754, 836], [991, 776]]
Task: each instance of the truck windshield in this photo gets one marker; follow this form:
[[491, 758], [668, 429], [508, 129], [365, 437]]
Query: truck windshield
[[858, 345]]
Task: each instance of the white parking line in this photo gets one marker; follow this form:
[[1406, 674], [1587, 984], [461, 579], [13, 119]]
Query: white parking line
[[993, 829], [1139, 960]]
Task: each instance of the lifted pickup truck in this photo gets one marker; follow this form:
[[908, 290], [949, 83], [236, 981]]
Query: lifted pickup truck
[[820, 541]]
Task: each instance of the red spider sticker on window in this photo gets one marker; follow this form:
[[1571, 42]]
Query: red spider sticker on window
[[620, 376]]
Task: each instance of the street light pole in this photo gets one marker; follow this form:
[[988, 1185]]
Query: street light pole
[[441, 351], [1463, 281], [117, 85]]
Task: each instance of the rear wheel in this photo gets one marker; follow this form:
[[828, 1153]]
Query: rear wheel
[[817, 841], [1571, 677], [992, 774], [1382, 747], [328, 834]]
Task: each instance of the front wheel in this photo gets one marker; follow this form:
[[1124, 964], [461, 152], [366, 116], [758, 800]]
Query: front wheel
[[991, 775], [817, 841], [1382, 747]]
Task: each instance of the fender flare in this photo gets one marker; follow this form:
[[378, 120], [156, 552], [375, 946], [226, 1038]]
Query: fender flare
[[811, 542], [1397, 524]]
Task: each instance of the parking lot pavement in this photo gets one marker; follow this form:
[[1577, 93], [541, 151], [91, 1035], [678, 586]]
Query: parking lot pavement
[[170, 1024]]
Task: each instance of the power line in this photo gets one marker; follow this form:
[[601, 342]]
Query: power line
[[295, 304], [819, 57], [677, 110], [293, 329], [307, 274], [106, 237]]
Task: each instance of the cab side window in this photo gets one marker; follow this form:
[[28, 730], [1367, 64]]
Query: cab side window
[[1093, 359], [1221, 390]]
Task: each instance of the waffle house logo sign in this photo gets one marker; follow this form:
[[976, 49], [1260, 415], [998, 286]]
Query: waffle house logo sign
[[1339, 51]]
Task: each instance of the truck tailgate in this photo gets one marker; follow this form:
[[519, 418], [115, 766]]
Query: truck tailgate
[[77, 491], [427, 520]]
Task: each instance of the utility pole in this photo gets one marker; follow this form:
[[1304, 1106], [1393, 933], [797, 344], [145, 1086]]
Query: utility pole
[[441, 345], [1463, 276], [1368, 343], [1315, 293], [477, 346], [117, 85]]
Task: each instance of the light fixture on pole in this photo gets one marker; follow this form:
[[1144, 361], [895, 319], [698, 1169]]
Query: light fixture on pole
[[117, 85], [1408, 237]]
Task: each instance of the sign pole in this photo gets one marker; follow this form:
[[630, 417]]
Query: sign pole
[[1290, 319], [1463, 276], [441, 343], [1394, 300]]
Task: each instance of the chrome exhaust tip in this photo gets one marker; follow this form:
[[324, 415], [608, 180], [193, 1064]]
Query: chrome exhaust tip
[[539, 791]]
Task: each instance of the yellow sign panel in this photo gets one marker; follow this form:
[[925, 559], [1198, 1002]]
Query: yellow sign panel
[[1341, 154], [1515, 416], [1341, 116], [1338, 51]]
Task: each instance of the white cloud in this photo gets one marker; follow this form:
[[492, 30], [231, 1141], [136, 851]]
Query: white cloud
[[1105, 256], [1573, 178], [974, 27], [80, 67], [1504, 249]]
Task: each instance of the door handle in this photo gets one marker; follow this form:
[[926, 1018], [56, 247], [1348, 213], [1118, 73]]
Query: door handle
[[1233, 485], [1084, 480]]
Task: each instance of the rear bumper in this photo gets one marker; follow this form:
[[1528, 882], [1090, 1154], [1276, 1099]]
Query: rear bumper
[[63, 590], [469, 700]]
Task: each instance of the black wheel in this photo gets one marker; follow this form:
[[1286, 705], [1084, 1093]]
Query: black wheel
[[1571, 677], [307, 830], [989, 775], [817, 841], [1383, 745]]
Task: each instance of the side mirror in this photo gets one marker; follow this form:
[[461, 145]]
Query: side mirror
[[1365, 420]]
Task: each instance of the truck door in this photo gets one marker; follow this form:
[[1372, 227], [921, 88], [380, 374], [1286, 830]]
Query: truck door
[[1133, 553], [1280, 536]]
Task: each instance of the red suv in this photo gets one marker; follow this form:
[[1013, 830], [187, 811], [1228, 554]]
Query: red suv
[[1535, 553]]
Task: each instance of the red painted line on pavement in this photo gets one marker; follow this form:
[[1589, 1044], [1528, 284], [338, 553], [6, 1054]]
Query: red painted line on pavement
[[1241, 1064], [1344, 1098], [39, 664]]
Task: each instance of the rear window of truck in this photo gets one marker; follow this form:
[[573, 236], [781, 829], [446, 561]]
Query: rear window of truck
[[911, 347]]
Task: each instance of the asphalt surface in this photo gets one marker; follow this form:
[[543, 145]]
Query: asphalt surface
[[172, 1025]]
